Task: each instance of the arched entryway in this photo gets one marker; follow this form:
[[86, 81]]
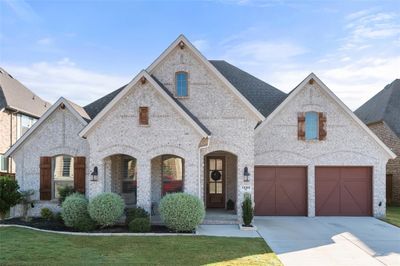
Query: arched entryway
[[220, 180], [121, 177], [167, 176]]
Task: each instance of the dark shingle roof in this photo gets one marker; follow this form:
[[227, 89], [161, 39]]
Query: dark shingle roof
[[15, 96], [384, 106], [95, 107], [263, 96]]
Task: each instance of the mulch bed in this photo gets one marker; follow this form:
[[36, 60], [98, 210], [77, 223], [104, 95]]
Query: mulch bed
[[56, 225]]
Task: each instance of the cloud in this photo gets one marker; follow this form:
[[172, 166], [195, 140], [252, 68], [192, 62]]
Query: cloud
[[23, 10], [45, 41], [51, 80]]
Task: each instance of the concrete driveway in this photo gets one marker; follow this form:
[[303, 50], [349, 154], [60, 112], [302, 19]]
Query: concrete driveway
[[349, 241]]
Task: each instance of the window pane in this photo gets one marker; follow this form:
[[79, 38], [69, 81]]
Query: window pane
[[172, 174], [212, 188], [59, 184], [181, 84], [129, 169], [311, 125], [212, 164], [219, 164], [63, 168], [219, 188], [3, 163]]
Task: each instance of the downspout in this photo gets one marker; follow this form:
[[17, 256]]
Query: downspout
[[200, 148]]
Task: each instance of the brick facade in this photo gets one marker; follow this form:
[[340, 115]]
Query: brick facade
[[383, 131], [8, 134]]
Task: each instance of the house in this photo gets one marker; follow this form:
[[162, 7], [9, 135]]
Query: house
[[382, 115], [20, 108], [205, 127]]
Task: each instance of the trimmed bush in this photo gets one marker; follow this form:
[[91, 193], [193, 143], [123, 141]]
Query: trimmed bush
[[64, 192], [106, 208], [181, 212], [9, 194], [133, 213], [140, 225], [230, 205], [46, 213], [75, 213], [247, 211]]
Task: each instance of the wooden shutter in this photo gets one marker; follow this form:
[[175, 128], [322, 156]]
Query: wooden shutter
[[143, 115], [79, 174], [322, 126], [45, 178], [301, 133]]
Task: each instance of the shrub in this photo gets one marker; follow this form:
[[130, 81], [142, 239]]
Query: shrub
[[106, 208], [181, 212], [46, 213], [230, 205], [64, 192], [27, 202], [9, 194], [140, 225], [133, 213], [247, 211], [75, 213]]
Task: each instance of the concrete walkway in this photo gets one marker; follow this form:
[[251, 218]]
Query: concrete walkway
[[347, 241]]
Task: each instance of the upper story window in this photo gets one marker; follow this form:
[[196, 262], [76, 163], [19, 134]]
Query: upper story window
[[311, 127], [181, 84], [24, 123], [3, 163], [63, 173]]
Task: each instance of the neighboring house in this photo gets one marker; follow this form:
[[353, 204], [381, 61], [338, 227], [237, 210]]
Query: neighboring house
[[382, 115], [212, 130], [20, 108]]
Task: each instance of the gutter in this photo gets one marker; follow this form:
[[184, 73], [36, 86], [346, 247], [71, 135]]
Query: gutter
[[199, 179]]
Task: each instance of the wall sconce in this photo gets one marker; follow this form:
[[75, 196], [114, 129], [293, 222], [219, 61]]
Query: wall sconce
[[94, 174], [246, 174]]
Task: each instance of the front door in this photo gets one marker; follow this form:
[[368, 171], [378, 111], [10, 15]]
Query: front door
[[215, 177]]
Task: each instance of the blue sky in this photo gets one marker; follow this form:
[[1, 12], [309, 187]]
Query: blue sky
[[85, 49]]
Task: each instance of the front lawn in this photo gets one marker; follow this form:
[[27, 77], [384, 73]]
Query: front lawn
[[393, 215], [23, 246]]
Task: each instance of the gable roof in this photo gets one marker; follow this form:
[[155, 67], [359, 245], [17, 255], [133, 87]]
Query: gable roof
[[75, 109], [95, 107], [15, 96], [211, 67], [384, 106], [179, 107], [301, 86], [259, 93]]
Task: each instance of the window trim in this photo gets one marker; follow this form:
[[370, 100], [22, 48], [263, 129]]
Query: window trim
[[176, 83], [316, 126]]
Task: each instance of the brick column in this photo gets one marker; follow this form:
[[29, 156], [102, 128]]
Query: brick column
[[144, 184], [311, 190]]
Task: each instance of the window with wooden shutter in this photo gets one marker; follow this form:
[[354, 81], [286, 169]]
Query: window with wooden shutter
[[45, 178], [79, 174], [301, 134], [322, 126], [144, 116]]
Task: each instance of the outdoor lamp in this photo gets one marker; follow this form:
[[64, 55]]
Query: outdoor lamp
[[94, 174], [246, 174]]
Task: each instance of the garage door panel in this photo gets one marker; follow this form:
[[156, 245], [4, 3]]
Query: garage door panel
[[280, 191], [343, 191]]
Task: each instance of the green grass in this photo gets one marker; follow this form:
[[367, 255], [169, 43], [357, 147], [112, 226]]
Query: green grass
[[393, 215], [24, 246]]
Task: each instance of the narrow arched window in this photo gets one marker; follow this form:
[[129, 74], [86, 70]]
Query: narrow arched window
[[311, 127], [181, 84]]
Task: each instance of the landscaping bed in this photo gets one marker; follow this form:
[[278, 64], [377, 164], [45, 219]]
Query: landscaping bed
[[393, 215], [57, 225]]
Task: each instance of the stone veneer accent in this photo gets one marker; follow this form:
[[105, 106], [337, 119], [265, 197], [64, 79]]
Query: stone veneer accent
[[346, 144], [383, 131]]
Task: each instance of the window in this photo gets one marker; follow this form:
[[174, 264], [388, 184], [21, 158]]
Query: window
[[3, 163], [172, 174], [129, 175], [24, 123], [63, 173], [181, 83], [144, 116], [311, 126]]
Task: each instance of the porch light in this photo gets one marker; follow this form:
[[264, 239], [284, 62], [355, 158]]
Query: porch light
[[246, 174], [94, 174]]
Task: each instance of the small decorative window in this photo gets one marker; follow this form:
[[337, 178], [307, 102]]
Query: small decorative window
[[311, 127], [181, 83], [143, 116]]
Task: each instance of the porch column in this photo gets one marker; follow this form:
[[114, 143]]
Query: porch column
[[144, 184], [311, 190]]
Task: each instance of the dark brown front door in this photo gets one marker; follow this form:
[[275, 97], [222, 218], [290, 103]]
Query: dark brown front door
[[280, 190], [215, 176], [343, 191]]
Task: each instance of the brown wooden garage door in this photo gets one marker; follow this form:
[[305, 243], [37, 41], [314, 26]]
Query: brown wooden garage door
[[343, 191], [280, 190]]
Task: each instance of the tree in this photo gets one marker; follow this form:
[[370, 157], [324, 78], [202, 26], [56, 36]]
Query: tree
[[9, 194]]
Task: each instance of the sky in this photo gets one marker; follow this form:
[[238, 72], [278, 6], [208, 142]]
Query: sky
[[83, 50]]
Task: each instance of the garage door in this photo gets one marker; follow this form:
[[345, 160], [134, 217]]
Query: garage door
[[343, 191], [280, 190]]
